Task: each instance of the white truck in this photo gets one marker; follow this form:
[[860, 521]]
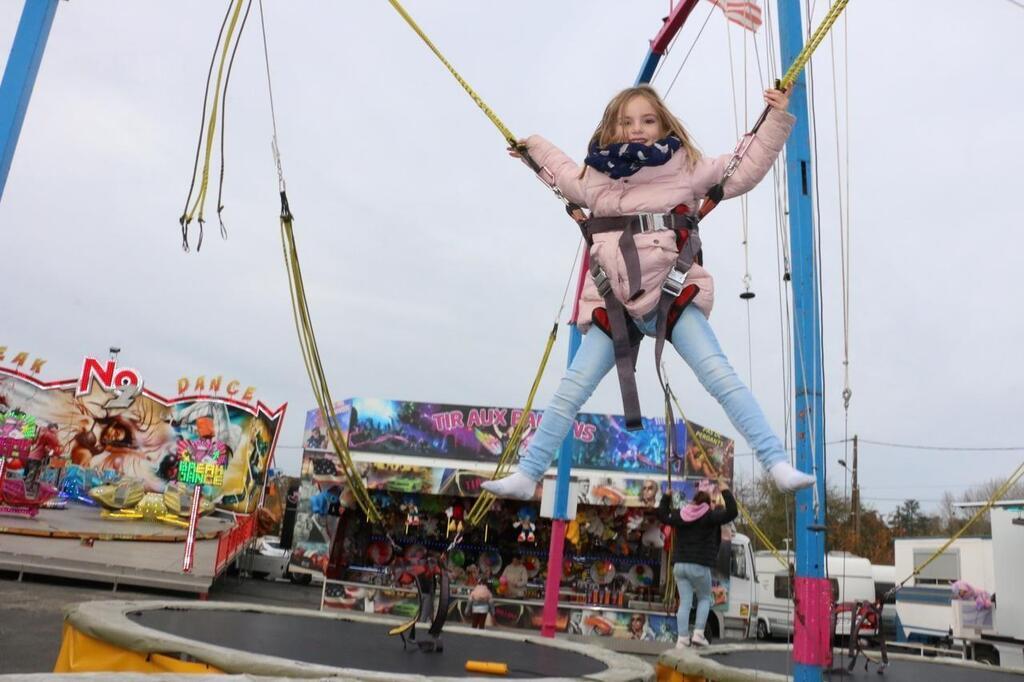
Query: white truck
[[924, 604], [735, 620]]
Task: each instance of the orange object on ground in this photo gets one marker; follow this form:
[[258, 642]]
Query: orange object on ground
[[666, 674], [487, 667]]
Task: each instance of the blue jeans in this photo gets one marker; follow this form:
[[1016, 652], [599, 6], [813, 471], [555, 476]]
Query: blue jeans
[[690, 579], [696, 343]]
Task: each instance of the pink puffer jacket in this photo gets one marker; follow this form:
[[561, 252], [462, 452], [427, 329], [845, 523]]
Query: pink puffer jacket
[[654, 189]]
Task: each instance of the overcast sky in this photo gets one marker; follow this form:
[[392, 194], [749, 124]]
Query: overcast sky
[[435, 265]]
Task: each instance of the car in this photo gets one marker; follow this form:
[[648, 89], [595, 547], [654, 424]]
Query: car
[[266, 559]]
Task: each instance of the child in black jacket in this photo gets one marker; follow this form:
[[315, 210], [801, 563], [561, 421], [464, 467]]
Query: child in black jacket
[[698, 537]]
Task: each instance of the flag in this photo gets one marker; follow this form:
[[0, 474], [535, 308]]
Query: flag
[[745, 13]]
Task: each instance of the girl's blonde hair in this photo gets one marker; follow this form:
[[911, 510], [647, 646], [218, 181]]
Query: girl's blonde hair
[[608, 130]]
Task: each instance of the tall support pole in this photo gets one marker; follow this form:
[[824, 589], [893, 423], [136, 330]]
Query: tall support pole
[[20, 76], [855, 501], [813, 594]]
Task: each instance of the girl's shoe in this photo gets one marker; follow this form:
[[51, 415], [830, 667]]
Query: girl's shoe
[[789, 479], [698, 638], [682, 642], [518, 486]]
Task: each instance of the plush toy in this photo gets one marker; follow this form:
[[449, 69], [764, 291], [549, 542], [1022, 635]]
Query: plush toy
[[455, 514], [524, 522], [472, 575], [412, 512], [572, 532], [652, 536], [964, 590], [431, 527], [634, 520]]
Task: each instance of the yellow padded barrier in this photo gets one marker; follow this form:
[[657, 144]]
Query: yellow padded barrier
[[80, 653]]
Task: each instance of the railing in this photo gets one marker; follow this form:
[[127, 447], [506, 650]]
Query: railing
[[234, 541]]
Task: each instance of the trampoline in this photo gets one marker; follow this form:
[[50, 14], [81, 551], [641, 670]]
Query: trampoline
[[772, 663], [263, 640]]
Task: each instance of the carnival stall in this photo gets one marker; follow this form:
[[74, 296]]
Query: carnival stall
[[89, 463], [423, 465]]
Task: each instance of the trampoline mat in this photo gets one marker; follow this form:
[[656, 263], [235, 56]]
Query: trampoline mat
[[363, 646], [900, 670]]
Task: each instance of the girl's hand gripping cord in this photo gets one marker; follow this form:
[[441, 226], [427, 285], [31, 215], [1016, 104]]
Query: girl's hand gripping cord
[[516, 151], [777, 99]]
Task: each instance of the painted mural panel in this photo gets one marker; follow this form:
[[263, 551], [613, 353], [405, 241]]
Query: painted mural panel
[[106, 425]]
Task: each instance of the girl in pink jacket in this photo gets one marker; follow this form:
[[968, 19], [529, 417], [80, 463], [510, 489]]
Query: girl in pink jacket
[[643, 178]]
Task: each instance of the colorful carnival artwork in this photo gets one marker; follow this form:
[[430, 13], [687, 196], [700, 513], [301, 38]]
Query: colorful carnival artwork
[[616, 467], [479, 434], [105, 428]]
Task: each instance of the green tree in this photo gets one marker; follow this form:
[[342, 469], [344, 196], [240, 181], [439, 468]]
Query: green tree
[[908, 520], [774, 514]]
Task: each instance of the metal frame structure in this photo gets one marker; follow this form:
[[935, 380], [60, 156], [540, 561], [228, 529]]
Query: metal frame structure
[[812, 617], [20, 76]]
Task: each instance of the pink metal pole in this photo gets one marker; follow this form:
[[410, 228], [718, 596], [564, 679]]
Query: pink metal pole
[[193, 521], [554, 580]]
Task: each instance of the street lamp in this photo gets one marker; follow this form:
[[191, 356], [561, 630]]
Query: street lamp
[[854, 495]]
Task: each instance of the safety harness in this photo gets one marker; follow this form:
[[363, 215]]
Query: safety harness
[[613, 319]]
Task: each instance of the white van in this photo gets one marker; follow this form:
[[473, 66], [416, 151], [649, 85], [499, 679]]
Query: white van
[[851, 577], [735, 621]]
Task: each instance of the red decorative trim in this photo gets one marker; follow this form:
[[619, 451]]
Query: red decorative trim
[[259, 408]]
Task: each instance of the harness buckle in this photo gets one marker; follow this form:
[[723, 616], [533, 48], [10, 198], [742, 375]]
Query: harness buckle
[[601, 281], [650, 222], [673, 284]]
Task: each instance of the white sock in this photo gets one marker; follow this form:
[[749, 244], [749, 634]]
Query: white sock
[[789, 479], [518, 486]]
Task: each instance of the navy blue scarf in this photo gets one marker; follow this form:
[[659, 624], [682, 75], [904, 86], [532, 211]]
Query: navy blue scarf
[[622, 159]]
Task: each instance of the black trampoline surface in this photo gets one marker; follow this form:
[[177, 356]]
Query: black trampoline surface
[[362, 646], [899, 670]]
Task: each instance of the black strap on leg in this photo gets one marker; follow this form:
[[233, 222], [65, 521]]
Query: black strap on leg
[[675, 296], [618, 325], [626, 350]]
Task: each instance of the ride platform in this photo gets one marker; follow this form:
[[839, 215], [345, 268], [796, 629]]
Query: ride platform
[[78, 543]]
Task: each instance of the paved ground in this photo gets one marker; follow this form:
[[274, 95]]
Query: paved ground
[[31, 612]]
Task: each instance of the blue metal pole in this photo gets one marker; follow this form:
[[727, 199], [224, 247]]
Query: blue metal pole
[[20, 76], [648, 67], [810, 435]]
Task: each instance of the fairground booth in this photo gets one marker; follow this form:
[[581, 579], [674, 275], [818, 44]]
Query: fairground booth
[[423, 464], [102, 478]]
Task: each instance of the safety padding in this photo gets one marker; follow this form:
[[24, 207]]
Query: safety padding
[[684, 299], [80, 653], [812, 643]]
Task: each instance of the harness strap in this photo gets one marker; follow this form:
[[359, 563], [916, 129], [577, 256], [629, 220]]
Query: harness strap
[[672, 290], [626, 341], [613, 318], [630, 225]]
